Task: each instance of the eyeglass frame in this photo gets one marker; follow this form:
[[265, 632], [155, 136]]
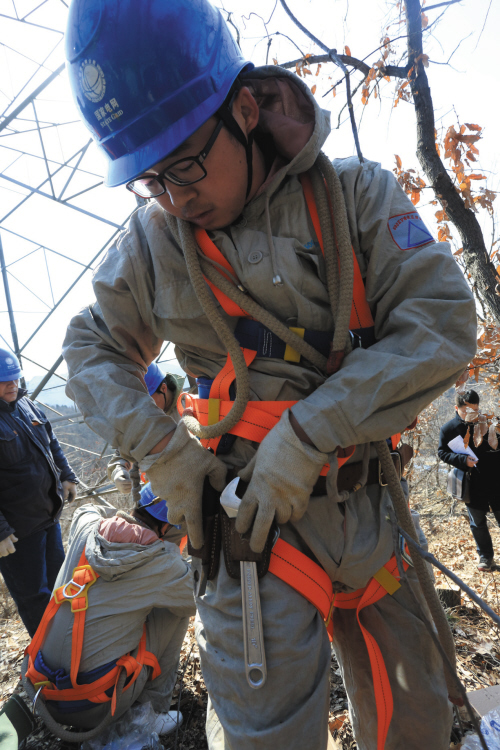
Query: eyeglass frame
[[199, 159]]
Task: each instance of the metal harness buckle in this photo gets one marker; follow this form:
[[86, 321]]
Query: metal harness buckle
[[79, 586], [398, 467]]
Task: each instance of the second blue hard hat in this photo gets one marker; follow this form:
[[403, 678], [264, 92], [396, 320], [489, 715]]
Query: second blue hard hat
[[159, 509], [153, 378], [146, 74]]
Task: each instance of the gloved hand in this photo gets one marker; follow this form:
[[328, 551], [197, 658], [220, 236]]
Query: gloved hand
[[177, 475], [7, 546], [121, 478], [69, 491], [282, 476]]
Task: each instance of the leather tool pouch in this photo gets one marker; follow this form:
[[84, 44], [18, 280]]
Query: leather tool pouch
[[237, 546], [210, 552]]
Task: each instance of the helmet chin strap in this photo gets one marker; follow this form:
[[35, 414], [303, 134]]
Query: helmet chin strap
[[229, 121]]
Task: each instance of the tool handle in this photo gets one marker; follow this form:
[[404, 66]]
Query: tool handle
[[253, 634]]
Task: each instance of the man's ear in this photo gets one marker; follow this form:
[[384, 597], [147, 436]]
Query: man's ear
[[246, 110]]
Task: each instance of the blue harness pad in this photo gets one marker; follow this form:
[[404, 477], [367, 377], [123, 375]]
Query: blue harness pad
[[253, 335], [62, 681]]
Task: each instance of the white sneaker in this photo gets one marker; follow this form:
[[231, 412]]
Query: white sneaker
[[167, 722]]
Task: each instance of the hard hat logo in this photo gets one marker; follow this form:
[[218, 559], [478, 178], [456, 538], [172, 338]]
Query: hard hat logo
[[92, 80], [169, 67]]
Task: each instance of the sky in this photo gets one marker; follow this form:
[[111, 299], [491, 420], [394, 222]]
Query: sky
[[48, 243]]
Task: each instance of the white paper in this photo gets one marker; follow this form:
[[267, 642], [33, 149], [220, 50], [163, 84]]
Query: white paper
[[457, 446]]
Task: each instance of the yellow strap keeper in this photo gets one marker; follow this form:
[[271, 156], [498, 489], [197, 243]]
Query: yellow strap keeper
[[387, 580], [213, 410], [290, 354]]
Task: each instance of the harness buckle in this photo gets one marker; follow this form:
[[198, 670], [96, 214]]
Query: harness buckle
[[79, 586], [356, 341], [398, 465]]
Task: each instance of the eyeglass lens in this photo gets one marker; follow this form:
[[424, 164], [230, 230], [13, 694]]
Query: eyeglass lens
[[181, 173]]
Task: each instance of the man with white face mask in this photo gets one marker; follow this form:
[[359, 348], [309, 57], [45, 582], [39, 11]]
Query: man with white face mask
[[483, 471]]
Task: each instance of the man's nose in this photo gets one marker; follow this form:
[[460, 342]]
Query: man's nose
[[180, 196]]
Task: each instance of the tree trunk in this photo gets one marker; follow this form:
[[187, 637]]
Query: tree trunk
[[475, 255]]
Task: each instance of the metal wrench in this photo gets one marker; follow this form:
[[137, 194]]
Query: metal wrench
[[253, 633]]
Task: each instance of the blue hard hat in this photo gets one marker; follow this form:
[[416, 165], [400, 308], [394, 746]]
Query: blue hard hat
[[10, 369], [145, 74], [158, 510], [153, 378]]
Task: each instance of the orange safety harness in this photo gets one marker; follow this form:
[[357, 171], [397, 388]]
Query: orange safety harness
[[287, 563], [76, 593]]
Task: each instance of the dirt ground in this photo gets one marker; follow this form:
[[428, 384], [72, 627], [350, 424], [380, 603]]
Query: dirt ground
[[477, 642]]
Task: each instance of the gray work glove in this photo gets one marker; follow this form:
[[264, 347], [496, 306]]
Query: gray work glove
[[121, 478], [7, 546], [177, 475], [69, 491], [282, 476]]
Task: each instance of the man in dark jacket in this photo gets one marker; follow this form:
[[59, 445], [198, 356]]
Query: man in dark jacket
[[484, 473], [35, 480]]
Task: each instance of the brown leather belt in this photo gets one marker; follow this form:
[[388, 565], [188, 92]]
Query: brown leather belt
[[350, 474]]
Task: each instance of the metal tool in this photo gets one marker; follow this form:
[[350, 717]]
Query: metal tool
[[253, 633]]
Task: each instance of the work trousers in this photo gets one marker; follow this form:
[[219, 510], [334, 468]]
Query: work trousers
[[291, 709], [30, 573], [480, 532], [165, 634]]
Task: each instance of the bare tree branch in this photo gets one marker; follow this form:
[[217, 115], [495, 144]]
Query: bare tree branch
[[395, 71], [332, 55], [440, 5], [475, 255]]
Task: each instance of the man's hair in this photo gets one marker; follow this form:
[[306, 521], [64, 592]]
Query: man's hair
[[154, 523], [469, 397], [170, 382]]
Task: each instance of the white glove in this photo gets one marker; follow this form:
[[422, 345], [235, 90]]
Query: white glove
[[285, 471], [7, 546], [69, 491], [121, 478], [177, 475]]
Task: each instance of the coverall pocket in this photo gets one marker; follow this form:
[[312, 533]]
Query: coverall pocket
[[39, 429], [11, 448]]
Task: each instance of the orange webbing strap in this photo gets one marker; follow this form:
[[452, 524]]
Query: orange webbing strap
[[96, 691], [311, 581], [76, 592], [361, 316], [182, 544], [212, 252], [305, 576], [386, 580], [395, 440], [257, 420]]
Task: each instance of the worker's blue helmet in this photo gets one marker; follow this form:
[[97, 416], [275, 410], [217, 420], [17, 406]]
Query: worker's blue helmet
[[155, 507], [10, 369], [145, 74], [153, 378]]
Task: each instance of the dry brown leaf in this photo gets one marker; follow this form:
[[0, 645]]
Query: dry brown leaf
[[493, 437]]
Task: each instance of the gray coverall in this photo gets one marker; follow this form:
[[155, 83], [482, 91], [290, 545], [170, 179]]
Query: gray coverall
[[137, 584], [425, 330]]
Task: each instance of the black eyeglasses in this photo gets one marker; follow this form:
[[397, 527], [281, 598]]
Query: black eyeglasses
[[183, 172]]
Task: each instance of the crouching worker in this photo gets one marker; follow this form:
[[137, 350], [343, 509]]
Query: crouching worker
[[117, 619], [164, 390]]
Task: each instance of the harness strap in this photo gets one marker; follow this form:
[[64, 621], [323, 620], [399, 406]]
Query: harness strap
[[361, 316], [76, 592], [312, 582], [212, 252]]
